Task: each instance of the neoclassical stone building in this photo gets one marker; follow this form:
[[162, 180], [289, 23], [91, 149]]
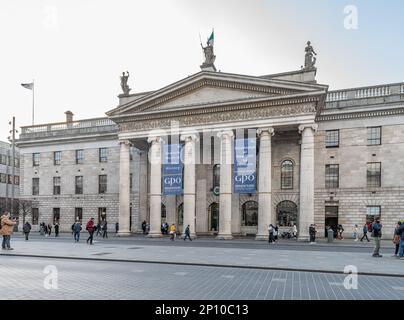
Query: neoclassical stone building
[[323, 157]]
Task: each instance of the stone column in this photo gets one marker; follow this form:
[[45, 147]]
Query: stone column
[[265, 217], [226, 159], [189, 182], [124, 189], [155, 156], [306, 212]]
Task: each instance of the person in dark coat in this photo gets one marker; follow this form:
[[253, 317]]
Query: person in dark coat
[[365, 232], [312, 233], [49, 229], [144, 226], [116, 227], [98, 228], [400, 233], [56, 229], [271, 231], [377, 236], [187, 233], [105, 230], [76, 231], [26, 229]]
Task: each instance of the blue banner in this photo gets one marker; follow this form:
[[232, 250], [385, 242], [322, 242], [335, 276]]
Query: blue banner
[[172, 170], [245, 166]]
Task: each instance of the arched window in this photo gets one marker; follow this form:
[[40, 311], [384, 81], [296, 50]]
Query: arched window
[[216, 175], [214, 217], [286, 214], [287, 174], [249, 214], [163, 213], [181, 214]]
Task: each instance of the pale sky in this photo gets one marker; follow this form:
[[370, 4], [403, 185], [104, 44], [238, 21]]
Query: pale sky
[[77, 49]]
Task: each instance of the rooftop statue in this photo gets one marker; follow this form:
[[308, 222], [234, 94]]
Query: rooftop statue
[[124, 83], [310, 59]]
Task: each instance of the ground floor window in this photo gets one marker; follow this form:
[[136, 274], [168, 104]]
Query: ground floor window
[[214, 217], [249, 214], [102, 215], [56, 215], [78, 214], [35, 216], [286, 214], [373, 212]]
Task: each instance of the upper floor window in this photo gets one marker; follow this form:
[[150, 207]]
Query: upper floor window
[[332, 176], [287, 174], [103, 154], [35, 159], [374, 178], [57, 157], [56, 185], [35, 186], [332, 139], [79, 185], [79, 156], [374, 136], [102, 184]]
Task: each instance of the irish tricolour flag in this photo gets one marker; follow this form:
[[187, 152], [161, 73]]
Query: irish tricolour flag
[[211, 39]]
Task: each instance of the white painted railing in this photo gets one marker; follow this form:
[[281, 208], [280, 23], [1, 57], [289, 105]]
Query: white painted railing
[[372, 92], [337, 96]]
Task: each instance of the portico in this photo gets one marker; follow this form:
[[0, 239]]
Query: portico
[[206, 112]]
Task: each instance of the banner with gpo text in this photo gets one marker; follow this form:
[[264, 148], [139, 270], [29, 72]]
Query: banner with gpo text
[[172, 170], [245, 166]]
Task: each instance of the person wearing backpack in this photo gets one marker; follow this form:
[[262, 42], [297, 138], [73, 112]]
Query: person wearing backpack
[[90, 229], [76, 231], [377, 235], [365, 233]]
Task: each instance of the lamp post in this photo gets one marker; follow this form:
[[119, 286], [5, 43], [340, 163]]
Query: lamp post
[[11, 139]]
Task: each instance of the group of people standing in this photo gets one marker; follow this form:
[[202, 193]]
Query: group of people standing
[[46, 229], [101, 228], [167, 229]]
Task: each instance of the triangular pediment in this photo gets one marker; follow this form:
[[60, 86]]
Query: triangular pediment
[[207, 88]]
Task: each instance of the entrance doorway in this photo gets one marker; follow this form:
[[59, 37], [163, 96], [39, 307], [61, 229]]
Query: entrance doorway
[[286, 214], [331, 219], [214, 217]]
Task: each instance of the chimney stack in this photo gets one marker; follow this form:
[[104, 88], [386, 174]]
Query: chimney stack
[[69, 116]]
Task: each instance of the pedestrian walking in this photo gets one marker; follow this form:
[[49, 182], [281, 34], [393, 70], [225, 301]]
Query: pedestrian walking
[[312, 233], [187, 233], [397, 239], [90, 229], [172, 232], [271, 230], [294, 232], [45, 229], [98, 228], [365, 232], [355, 232], [105, 230], [7, 229], [400, 233], [26, 229], [56, 229], [377, 235], [276, 233], [76, 230], [340, 230], [49, 229], [116, 227]]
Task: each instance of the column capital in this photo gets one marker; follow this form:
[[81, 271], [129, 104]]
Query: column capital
[[225, 134], [262, 131], [313, 126], [154, 140], [125, 142], [190, 137]]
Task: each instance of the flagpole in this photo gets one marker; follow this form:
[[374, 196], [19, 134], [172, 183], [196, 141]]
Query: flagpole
[[33, 101]]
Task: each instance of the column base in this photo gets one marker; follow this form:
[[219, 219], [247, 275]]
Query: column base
[[193, 236], [261, 237], [224, 237], [154, 235], [123, 234], [303, 239]]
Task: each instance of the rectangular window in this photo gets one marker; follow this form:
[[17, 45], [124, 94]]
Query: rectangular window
[[374, 178], [35, 159], [16, 162], [35, 216], [56, 215], [103, 154], [332, 176], [10, 179], [374, 136], [57, 158], [35, 186], [131, 182], [78, 214], [3, 159], [102, 184], [3, 178], [373, 212], [79, 156], [332, 139], [79, 185], [17, 180], [56, 185]]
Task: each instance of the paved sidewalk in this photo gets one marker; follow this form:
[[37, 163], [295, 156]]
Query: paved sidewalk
[[230, 257]]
